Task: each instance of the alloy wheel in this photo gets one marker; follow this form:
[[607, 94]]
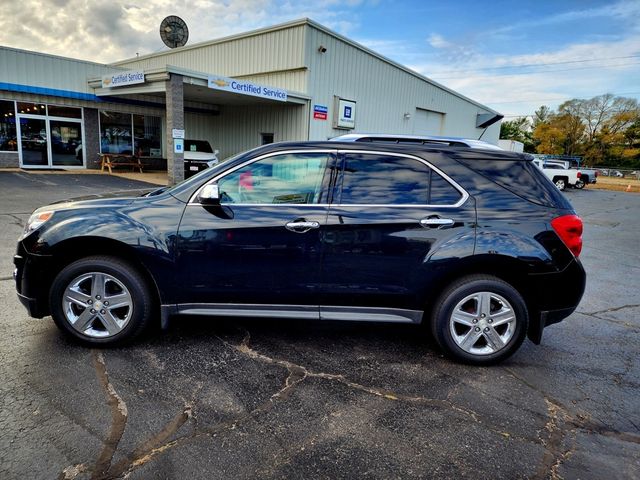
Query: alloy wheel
[[482, 323], [97, 305]]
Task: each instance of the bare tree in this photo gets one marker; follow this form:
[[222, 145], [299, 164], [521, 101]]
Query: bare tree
[[607, 112]]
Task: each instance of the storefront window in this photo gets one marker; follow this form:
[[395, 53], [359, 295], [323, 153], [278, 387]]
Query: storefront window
[[8, 138], [32, 108], [67, 112], [147, 139], [115, 133]]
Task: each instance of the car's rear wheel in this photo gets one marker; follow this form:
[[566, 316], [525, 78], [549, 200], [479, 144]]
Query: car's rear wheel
[[579, 185], [480, 320], [101, 301]]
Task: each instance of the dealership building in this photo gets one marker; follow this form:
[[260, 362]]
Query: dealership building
[[295, 81]]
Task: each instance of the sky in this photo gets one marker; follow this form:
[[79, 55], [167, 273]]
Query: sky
[[512, 56]]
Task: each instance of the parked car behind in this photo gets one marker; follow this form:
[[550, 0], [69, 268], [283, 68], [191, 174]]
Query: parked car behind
[[476, 244], [198, 155], [562, 177]]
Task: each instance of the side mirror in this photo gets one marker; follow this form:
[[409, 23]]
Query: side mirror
[[210, 195]]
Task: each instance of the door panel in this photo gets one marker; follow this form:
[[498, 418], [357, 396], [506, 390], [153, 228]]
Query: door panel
[[383, 256], [262, 245], [245, 254], [34, 142], [386, 256], [66, 143]]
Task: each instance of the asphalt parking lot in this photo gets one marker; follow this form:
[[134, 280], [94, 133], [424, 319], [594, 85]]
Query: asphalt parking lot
[[216, 398]]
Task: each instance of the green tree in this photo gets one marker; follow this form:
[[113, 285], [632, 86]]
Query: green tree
[[542, 115], [550, 137], [520, 130]]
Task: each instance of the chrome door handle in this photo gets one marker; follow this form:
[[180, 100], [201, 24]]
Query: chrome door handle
[[301, 227], [436, 222]]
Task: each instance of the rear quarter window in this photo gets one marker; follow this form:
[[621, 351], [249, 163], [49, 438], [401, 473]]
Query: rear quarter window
[[520, 177]]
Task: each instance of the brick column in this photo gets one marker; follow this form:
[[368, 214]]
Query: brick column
[[175, 119], [91, 138]]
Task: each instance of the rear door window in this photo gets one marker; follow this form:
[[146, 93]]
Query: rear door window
[[383, 179]]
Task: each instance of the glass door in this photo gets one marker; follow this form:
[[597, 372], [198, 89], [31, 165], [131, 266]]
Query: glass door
[[66, 143], [33, 140]]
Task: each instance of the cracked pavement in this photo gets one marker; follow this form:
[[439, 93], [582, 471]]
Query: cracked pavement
[[239, 398]]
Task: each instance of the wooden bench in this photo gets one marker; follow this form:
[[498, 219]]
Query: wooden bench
[[112, 160]]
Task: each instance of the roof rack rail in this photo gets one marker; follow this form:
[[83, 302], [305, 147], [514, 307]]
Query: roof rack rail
[[415, 139]]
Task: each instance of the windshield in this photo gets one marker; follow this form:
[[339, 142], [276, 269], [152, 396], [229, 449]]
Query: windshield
[[197, 146]]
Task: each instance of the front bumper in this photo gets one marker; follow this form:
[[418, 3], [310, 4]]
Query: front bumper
[[32, 279], [191, 167]]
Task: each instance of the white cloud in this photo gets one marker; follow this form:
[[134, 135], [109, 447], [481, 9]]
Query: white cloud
[[518, 84], [627, 10], [437, 41], [118, 29]]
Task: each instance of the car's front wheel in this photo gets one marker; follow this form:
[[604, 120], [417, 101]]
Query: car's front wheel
[[480, 320], [101, 301]]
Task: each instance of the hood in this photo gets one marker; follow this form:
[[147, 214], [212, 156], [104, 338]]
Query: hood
[[202, 156], [119, 198]]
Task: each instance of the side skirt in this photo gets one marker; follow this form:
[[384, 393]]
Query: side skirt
[[307, 312]]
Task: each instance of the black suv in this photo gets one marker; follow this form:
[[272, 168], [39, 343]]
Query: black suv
[[477, 244]]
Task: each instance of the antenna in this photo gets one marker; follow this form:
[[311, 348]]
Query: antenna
[[174, 32]]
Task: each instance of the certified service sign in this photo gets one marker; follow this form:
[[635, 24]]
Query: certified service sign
[[121, 79], [247, 88], [345, 114]]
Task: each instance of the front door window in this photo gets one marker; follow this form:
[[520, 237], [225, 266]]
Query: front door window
[[294, 178]]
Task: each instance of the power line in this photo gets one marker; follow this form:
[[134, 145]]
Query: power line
[[535, 73], [556, 99], [526, 65]]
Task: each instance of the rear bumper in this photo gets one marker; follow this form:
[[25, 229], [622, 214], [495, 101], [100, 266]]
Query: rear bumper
[[543, 319], [553, 297]]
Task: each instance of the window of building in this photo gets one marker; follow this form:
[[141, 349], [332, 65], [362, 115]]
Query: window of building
[[8, 137], [67, 112], [147, 138], [115, 133], [32, 108], [266, 138], [288, 178], [127, 134]]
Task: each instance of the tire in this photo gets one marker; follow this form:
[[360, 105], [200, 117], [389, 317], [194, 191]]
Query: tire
[[461, 330], [560, 183], [579, 185], [101, 301]]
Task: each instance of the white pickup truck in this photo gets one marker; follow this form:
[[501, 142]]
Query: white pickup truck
[[562, 177], [587, 175]]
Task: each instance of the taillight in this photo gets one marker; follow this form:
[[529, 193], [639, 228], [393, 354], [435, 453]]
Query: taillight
[[569, 229], [596, 173], [579, 174]]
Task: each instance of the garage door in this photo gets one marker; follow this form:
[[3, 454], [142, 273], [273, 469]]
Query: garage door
[[428, 122]]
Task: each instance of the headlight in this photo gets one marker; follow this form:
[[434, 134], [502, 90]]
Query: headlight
[[36, 220]]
